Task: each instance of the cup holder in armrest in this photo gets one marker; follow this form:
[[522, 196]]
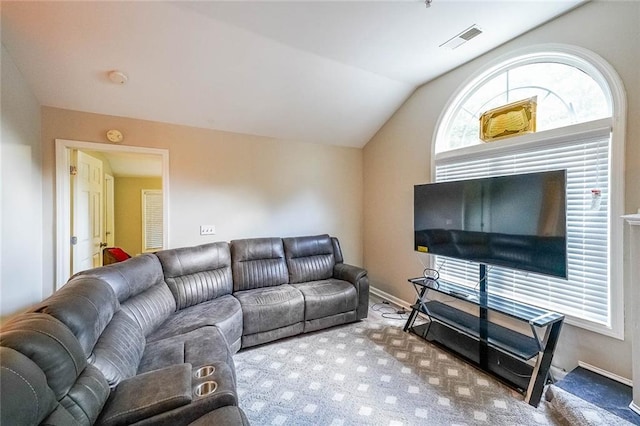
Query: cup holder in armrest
[[206, 388], [205, 371]]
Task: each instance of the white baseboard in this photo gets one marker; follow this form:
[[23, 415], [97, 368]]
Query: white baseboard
[[558, 373], [392, 299], [606, 373]]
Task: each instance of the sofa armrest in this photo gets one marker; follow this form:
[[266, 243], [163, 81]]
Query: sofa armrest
[[148, 394], [358, 277], [343, 271]]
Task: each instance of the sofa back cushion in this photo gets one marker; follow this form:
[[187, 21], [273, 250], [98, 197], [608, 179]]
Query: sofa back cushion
[[309, 258], [25, 395], [258, 262], [86, 398], [337, 250], [85, 305], [48, 343], [131, 277], [197, 274], [151, 307], [55, 352], [119, 350]]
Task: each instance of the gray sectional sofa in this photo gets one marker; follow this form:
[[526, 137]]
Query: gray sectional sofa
[[151, 340]]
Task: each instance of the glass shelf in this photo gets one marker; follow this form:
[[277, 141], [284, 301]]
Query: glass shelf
[[503, 352], [521, 311]]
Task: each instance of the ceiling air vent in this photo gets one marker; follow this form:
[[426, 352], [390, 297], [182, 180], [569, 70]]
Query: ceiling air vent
[[463, 37]]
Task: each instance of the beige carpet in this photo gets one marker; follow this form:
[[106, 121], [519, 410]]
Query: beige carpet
[[575, 411], [373, 373]]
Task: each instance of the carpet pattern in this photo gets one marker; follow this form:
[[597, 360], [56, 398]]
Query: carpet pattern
[[577, 411], [372, 373]]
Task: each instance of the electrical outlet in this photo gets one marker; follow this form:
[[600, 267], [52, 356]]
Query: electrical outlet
[[207, 229]]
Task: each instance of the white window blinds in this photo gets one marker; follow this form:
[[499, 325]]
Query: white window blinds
[[585, 155], [151, 220]]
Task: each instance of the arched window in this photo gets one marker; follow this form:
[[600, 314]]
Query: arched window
[[580, 127]]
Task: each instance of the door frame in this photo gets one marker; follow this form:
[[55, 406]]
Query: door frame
[[109, 219], [63, 197]]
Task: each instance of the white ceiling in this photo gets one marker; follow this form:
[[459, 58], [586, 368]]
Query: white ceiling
[[325, 72], [131, 164]]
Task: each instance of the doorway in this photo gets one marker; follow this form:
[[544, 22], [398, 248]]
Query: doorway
[[127, 158]]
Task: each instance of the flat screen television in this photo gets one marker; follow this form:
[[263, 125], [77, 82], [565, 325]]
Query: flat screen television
[[516, 221]]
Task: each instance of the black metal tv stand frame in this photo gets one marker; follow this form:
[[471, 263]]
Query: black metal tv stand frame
[[505, 353]]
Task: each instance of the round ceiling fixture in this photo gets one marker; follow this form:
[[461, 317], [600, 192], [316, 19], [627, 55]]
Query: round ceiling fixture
[[118, 77], [115, 136]]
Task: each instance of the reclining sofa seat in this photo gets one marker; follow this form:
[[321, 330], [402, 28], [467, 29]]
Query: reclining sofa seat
[[295, 285], [271, 308], [200, 279]]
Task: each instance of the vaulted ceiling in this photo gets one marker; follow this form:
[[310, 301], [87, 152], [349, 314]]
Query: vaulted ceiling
[[324, 72]]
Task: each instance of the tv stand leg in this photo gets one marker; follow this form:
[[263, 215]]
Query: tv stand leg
[[415, 310], [543, 364], [411, 320]]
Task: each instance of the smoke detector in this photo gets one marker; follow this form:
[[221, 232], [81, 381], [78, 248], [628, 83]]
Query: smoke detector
[[463, 37], [118, 77]]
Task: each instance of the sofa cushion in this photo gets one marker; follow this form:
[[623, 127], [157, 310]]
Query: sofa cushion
[[50, 344], [224, 312], [327, 297], [197, 274], [309, 258], [257, 263], [25, 396], [85, 305], [270, 308], [80, 389], [119, 350], [131, 277], [87, 396], [151, 307], [59, 416]]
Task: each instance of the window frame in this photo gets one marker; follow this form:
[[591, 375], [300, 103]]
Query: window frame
[[611, 84]]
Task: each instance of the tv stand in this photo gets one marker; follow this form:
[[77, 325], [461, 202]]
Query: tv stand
[[519, 360]]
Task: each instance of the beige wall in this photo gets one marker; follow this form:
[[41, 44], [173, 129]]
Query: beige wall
[[399, 156], [20, 192], [247, 186], [128, 211]]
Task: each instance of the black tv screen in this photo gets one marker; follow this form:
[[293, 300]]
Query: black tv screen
[[516, 221]]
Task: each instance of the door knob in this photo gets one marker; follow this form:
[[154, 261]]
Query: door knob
[[103, 245]]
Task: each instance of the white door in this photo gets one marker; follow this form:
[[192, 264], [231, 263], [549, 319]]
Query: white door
[[88, 213], [109, 222]]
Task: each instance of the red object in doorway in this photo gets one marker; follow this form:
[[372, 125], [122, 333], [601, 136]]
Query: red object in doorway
[[113, 255]]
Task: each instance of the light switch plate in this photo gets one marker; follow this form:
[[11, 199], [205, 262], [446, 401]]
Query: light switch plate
[[207, 229]]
